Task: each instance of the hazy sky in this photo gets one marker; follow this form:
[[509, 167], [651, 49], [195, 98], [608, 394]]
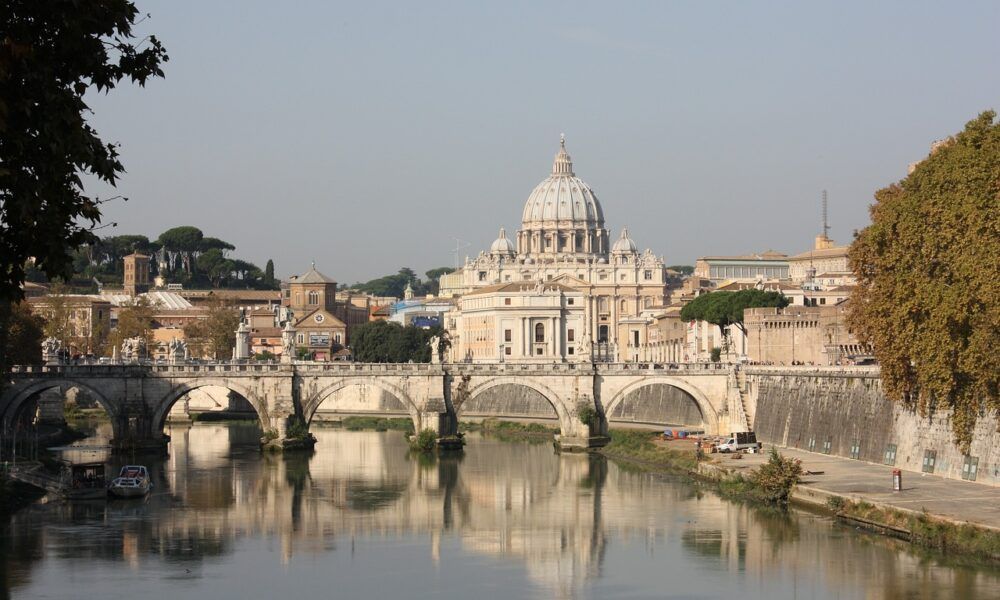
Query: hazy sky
[[368, 135]]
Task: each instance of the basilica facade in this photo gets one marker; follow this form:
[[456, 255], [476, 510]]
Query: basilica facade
[[563, 248]]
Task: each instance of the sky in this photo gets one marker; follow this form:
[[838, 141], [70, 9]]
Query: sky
[[368, 136]]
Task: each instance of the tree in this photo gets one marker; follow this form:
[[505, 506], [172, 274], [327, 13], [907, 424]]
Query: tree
[[184, 242], [726, 308], [929, 282], [386, 341], [134, 320], [392, 285], [24, 336], [433, 285], [214, 336], [269, 272], [51, 54], [686, 270]]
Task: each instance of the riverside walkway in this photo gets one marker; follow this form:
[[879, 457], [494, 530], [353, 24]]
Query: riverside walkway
[[952, 499]]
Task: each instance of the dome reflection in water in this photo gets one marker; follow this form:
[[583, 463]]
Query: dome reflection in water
[[361, 517]]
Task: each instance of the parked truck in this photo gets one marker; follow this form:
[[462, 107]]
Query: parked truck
[[741, 440]]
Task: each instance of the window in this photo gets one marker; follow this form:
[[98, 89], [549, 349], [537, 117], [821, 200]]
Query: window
[[482, 276], [506, 350], [930, 457], [602, 334], [506, 301], [635, 338], [856, 449], [313, 297], [337, 338], [602, 276], [569, 301], [319, 339], [623, 305], [539, 333], [826, 446], [507, 335], [301, 338], [538, 351], [890, 454], [624, 260], [647, 275], [602, 304], [970, 468], [647, 301], [506, 277], [570, 335], [622, 277]]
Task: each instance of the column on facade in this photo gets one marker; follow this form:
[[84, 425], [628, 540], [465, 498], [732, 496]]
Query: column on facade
[[555, 335]]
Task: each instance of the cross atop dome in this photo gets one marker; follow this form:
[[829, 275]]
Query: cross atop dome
[[563, 165]]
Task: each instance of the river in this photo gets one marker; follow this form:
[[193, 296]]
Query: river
[[362, 518]]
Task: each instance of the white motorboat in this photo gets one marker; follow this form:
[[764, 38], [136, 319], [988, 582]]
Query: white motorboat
[[132, 482]]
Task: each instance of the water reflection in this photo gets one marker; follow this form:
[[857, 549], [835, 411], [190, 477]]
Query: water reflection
[[500, 520]]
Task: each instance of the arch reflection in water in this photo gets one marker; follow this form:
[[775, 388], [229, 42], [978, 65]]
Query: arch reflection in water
[[500, 520]]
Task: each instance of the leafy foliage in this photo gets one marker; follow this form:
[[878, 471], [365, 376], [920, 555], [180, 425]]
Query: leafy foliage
[[24, 336], [214, 336], [726, 308], [929, 280], [775, 479], [52, 53], [134, 320], [682, 269], [385, 341], [395, 285], [424, 442], [587, 414]]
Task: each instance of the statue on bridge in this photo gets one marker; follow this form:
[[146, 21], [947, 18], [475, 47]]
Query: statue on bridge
[[288, 342], [50, 350], [133, 349], [177, 351]]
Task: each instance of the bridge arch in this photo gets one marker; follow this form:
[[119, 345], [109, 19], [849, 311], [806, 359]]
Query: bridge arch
[[552, 397], [709, 416], [12, 401], [311, 405], [162, 407]]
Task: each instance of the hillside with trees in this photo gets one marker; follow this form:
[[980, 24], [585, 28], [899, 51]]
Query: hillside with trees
[[394, 285], [182, 255]]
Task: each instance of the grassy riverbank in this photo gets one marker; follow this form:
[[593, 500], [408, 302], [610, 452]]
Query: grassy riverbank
[[511, 431], [377, 424], [921, 529], [773, 484], [644, 449]]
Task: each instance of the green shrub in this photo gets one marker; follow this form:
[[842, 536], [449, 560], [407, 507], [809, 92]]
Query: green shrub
[[587, 414], [775, 479], [836, 503], [297, 430], [425, 441], [716, 354], [271, 434]]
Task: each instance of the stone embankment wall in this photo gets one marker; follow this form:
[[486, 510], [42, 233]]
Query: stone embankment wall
[[844, 413]]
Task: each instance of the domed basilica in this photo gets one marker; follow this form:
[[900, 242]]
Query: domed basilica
[[563, 251]]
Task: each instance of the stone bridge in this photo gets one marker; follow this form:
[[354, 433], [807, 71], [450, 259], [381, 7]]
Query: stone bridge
[[138, 398]]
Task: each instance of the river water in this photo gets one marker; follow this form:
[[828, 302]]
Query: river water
[[362, 518]]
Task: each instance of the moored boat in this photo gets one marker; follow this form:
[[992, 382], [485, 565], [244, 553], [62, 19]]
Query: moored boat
[[132, 482], [87, 481]]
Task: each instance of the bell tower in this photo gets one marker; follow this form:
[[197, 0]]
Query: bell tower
[[136, 274]]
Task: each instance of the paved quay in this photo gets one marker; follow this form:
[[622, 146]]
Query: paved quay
[[951, 499]]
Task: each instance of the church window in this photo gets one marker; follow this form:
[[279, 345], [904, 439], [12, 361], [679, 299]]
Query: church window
[[301, 338], [314, 297], [506, 301], [602, 304], [507, 335], [623, 305], [647, 275], [539, 333], [622, 277], [506, 350], [603, 276], [482, 276], [624, 260], [647, 302], [569, 301], [570, 335]]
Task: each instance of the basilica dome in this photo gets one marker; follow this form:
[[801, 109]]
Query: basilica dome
[[562, 215]]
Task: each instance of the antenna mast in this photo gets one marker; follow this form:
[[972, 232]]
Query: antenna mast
[[826, 225], [459, 244]]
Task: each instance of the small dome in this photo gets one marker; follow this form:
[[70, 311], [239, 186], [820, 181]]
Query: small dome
[[502, 245], [624, 244]]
